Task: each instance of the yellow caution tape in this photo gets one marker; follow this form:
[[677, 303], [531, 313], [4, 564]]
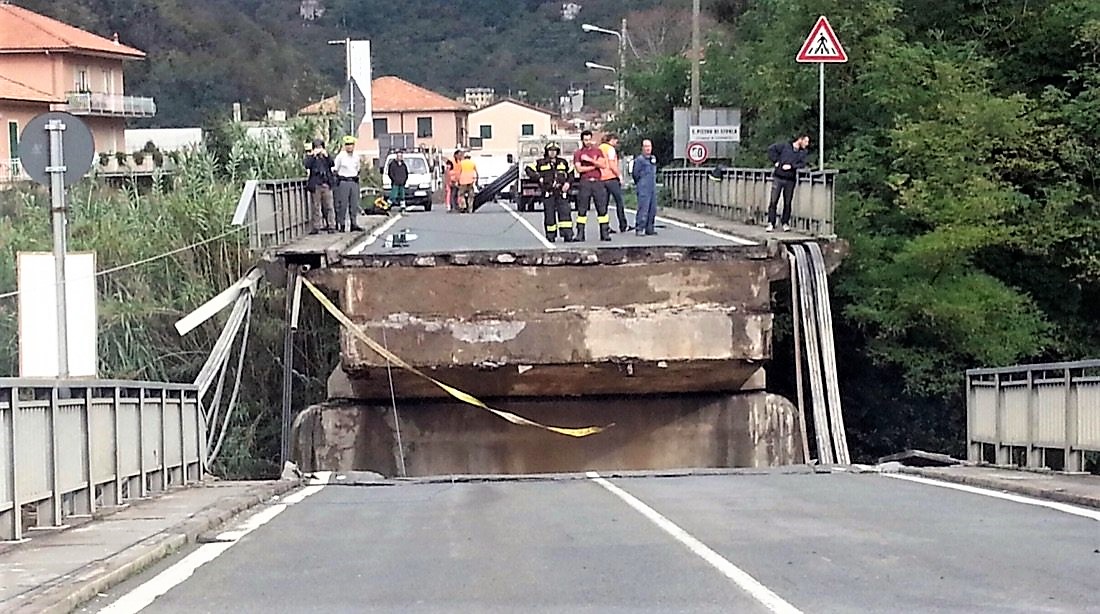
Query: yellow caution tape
[[454, 392]]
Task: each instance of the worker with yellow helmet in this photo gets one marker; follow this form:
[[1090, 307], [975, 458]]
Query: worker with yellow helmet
[[346, 196]]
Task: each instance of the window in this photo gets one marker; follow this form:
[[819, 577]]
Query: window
[[527, 129], [486, 132], [108, 82], [80, 81], [423, 127], [13, 139], [475, 142], [381, 127]]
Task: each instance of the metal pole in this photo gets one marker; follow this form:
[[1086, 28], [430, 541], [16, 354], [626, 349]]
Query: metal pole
[[293, 294], [821, 116], [620, 89], [56, 171], [351, 89], [696, 57]]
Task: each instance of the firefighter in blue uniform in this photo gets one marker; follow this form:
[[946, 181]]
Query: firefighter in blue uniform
[[553, 176]]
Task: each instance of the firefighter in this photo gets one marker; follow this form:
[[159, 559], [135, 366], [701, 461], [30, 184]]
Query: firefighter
[[552, 173]]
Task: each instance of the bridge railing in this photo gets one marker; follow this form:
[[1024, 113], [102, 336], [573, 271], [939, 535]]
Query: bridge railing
[[276, 212], [741, 195], [1045, 415], [67, 448]]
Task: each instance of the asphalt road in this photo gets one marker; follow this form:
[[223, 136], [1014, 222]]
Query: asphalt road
[[817, 543], [497, 226]]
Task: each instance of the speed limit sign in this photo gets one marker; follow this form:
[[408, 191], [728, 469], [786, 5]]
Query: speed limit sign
[[697, 152]]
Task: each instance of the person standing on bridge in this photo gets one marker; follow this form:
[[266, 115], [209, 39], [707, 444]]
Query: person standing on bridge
[[319, 185], [398, 173], [644, 173], [467, 179], [346, 166], [612, 181], [552, 173], [787, 159], [588, 161]]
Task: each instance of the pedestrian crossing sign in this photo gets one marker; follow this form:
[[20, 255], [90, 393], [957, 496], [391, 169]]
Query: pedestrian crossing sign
[[822, 45]]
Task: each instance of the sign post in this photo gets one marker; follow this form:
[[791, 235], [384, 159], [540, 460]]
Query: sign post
[[823, 47]]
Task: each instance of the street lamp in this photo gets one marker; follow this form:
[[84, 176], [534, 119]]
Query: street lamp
[[596, 66], [620, 79], [610, 88], [347, 81]]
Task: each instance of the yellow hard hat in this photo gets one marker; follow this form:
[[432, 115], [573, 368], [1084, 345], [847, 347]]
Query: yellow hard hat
[[348, 140]]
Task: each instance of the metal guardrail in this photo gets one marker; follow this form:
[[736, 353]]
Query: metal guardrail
[[111, 104], [742, 195], [12, 171], [277, 211], [1019, 415], [67, 448]]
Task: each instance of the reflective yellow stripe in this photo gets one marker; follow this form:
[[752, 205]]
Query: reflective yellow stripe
[[582, 219], [565, 224], [603, 219], [553, 228]]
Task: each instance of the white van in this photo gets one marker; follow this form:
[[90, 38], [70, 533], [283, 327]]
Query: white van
[[418, 189]]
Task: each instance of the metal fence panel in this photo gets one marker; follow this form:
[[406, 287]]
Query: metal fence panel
[[33, 449], [1014, 421], [104, 442], [72, 465], [129, 431], [151, 427], [1050, 414], [6, 493], [1088, 415], [173, 451], [984, 427]]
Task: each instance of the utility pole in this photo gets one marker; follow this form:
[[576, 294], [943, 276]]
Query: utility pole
[[59, 211], [347, 80], [620, 90], [697, 56]]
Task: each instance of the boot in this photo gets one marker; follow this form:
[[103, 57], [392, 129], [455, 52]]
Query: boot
[[552, 237], [605, 232], [580, 233], [567, 236]]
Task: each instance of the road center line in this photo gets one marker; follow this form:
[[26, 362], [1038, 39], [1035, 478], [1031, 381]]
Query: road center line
[[747, 583], [534, 231], [144, 595], [374, 234], [706, 231], [1054, 505]]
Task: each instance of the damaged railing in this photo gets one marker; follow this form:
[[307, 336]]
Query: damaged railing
[[276, 212], [70, 447], [741, 195], [1045, 415]]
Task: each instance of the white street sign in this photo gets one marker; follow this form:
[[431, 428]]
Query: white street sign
[[715, 134]]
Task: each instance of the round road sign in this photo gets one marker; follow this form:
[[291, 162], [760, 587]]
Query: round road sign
[[77, 147], [697, 152]]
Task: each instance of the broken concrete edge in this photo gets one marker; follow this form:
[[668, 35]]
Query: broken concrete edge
[[625, 255], [1004, 485], [68, 593]]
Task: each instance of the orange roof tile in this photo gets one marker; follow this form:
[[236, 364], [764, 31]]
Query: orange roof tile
[[10, 89], [327, 106], [22, 30], [393, 95], [522, 104]]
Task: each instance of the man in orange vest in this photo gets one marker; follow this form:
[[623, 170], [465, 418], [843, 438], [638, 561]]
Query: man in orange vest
[[611, 179], [467, 179]]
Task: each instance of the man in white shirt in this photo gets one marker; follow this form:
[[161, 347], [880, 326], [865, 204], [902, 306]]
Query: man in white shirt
[[346, 169]]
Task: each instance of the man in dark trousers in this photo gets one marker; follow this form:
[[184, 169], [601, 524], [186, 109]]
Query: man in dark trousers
[[398, 173], [319, 185], [787, 158], [588, 161], [552, 173]]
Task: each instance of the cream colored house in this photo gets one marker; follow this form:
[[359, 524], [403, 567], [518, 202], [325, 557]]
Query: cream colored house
[[496, 128]]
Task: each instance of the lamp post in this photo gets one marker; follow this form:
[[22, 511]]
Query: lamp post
[[696, 58], [620, 97], [347, 81]]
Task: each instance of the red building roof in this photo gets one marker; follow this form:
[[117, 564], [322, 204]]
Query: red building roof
[[396, 95], [23, 31]]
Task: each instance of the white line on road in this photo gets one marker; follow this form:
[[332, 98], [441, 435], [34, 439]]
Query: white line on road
[[144, 595], [750, 585], [706, 231], [373, 236], [1054, 505], [534, 231]]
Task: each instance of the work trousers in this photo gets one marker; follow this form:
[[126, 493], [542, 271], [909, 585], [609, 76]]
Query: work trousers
[[784, 187], [465, 199], [397, 194], [321, 208], [347, 204], [556, 214], [615, 192], [647, 210], [587, 191]]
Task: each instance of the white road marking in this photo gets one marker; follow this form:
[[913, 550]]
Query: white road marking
[[747, 583], [706, 231], [144, 595], [373, 236], [1054, 505], [534, 231]]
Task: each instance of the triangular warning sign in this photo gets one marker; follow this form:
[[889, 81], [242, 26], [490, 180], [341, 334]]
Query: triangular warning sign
[[822, 45]]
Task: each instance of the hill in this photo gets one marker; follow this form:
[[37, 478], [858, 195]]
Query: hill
[[206, 54]]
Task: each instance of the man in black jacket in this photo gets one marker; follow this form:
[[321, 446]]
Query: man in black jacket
[[398, 173], [319, 185], [787, 159]]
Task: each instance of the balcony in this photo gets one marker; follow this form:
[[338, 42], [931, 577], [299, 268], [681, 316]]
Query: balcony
[[111, 105], [12, 172]]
